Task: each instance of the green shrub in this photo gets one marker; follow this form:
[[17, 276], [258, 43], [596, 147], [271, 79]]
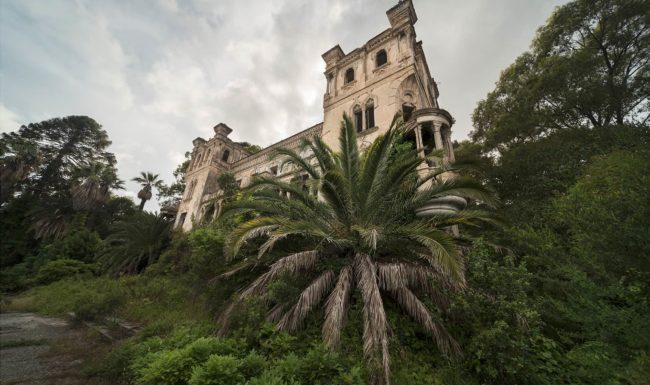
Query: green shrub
[[218, 370], [63, 268], [14, 278], [79, 244], [206, 260], [92, 305], [271, 378], [167, 368], [170, 367], [253, 365]]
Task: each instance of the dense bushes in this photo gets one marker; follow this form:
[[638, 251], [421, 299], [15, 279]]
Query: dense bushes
[[63, 268], [182, 358]]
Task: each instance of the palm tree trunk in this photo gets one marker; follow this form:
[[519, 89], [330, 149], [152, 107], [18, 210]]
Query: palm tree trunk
[[142, 202]]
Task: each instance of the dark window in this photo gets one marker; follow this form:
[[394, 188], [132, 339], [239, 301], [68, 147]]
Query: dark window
[[274, 170], [238, 181], [182, 220], [407, 111], [349, 75], [209, 213], [381, 58], [305, 187], [370, 114], [225, 156], [358, 118]]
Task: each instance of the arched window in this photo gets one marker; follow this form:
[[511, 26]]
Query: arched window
[[407, 111], [349, 75], [381, 58], [207, 158], [358, 118], [225, 156], [370, 114]]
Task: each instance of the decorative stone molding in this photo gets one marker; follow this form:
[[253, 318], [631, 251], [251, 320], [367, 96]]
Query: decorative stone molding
[[445, 205]]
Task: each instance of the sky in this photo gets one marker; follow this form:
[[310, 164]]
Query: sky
[[158, 73]]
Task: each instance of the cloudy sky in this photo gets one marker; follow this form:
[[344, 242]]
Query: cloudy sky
[[158, 73]]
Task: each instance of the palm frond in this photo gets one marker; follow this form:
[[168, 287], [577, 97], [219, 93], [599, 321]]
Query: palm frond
[[291, 264], [375, 326], [419, 312], [336, 308], [247, 230], [442, 251], [309, 298], [293, 157], [349, 154]]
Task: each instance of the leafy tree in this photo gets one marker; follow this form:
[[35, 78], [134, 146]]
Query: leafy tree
[[607, 212], [46, 164], [228, 186], [252, 148], [63, 145], [135, 243], [172, 194], [362, 236], [147, 180], [529, 176], [587, 67]]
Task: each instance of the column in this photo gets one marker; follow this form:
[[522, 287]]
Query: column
[[436, 135], [450, 147], [418, 140]]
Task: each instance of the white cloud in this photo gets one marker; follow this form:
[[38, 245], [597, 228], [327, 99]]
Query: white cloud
[[9, 120], [157, 74]]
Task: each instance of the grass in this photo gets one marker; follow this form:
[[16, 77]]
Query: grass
[[158, 302]]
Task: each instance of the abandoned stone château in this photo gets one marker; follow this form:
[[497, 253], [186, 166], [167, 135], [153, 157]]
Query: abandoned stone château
[[387, 75]]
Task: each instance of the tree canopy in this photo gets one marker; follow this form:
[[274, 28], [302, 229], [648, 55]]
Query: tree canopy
[[587, 67]]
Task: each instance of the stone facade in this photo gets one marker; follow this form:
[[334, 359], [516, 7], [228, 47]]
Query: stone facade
[[389, 74]]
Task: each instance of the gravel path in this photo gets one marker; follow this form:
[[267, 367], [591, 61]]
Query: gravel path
[[37, 350]]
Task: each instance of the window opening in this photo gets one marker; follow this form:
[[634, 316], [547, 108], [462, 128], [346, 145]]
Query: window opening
[[349, 75], [370, 114], [358, 118], [381, 58], [407, 111]]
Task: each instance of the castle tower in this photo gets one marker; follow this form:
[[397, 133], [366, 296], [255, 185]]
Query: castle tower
[[388, 74], [209, 159]]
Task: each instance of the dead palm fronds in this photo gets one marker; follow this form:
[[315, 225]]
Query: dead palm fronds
[[363, 211]]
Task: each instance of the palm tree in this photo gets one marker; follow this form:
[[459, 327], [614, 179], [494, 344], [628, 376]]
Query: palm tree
[[134, 243], [363, 234], [147, 180], [93, 185]]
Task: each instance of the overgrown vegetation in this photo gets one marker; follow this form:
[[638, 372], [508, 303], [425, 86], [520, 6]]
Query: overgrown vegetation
[[557, 296]]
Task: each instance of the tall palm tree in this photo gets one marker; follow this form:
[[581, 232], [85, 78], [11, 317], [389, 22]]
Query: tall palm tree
[[93, 184], [363, 234], [147, 180]]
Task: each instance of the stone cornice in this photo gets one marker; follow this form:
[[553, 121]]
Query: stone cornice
[[264, 155]]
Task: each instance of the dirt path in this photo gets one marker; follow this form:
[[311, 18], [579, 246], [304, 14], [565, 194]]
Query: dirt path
[[37, 350]]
